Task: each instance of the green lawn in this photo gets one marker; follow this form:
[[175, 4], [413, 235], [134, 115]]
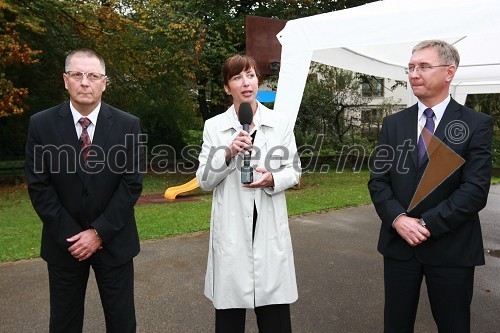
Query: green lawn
[[20, 226]]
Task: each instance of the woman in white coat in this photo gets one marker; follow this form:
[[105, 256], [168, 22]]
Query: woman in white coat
[[250, 259]]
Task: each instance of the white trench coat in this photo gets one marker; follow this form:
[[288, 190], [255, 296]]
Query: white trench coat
[[241, 273]]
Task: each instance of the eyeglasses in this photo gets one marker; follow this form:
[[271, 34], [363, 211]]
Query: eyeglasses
[[78, 76], [423, 68]]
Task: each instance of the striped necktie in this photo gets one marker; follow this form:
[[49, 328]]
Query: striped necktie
[[426, 135], [85, 138]]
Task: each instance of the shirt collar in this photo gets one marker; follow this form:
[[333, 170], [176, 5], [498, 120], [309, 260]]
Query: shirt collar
[[257, 117], [92, 115], [438, 109]]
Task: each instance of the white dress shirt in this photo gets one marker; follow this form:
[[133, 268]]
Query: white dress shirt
[[92, 117], [438, 114]]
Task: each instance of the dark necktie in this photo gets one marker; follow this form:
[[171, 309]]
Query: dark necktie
[[425, 136], [85, 138]]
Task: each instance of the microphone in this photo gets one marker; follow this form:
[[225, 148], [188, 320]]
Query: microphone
[[245, 116]]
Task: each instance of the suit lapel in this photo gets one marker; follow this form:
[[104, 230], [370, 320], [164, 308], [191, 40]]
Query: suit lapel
[[410, 123], [452, 112], [103, 128], [68, 133]]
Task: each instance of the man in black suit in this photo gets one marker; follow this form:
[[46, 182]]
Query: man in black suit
[[83, 162], [428, 196]]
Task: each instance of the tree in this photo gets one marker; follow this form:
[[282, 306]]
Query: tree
[[331, 102], [16, 52], [486, 103], [163, 57], [222, 34], [143, 48]]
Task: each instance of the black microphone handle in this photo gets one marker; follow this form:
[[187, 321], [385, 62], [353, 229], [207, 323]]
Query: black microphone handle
[[246, 155]]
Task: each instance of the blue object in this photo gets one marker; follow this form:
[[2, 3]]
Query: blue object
[[266, 96]]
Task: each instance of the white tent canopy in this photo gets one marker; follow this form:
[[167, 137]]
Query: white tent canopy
[[377, 39]]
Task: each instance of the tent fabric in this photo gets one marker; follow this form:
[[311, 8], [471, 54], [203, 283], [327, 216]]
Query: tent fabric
[[377, 39]]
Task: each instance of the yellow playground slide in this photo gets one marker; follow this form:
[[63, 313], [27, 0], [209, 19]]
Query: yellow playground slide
[[172, 192]]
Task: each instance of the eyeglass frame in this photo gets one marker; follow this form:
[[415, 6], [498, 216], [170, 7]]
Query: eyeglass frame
[[409, 70], [85, 74]]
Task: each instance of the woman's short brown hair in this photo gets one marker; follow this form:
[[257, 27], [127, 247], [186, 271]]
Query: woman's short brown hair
[[236, 64]]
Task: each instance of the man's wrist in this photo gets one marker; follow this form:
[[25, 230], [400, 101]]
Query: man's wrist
[[97, 234], [394, 221]]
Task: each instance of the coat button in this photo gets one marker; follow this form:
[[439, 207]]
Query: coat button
[[233, 214]]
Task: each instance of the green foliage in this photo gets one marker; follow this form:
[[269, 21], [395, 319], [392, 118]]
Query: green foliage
[[292, 9], [489, 104], [193, 137], [16, 53], [333, 106], [163, 57], [486, 103], [496, 148], [331, 99]]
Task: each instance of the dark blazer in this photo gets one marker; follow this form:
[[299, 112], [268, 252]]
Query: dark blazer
[[451, 210], [69, 199]]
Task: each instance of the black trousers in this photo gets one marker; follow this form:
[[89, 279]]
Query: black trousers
[[449, 290], [273, 318], [67, 297]]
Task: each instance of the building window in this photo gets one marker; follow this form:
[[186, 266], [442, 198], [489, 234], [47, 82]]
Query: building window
[[369, 116], [373, 87]]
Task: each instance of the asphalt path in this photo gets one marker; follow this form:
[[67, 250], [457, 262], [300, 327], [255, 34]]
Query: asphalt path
[[339, 276]]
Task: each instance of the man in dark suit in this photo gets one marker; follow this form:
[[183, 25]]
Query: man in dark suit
[[428, 190], [83, 162]]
